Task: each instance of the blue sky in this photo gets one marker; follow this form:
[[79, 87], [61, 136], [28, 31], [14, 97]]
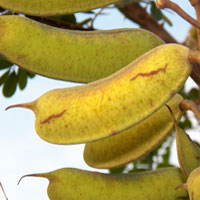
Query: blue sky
[[23, 152]]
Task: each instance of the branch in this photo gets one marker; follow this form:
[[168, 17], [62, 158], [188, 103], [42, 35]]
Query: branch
[[60, 24], [173, 6], [139, 15], [194, 58]]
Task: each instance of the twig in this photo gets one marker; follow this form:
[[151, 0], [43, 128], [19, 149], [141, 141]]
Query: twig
[[190, 105], [95, 16], [195, 75], [173, 6], [193, 2], [196, 4], [3, 191]]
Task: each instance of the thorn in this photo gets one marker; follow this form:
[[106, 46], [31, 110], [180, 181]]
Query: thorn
[[29, 175], [22, 178], [13, 106], [30, 106]]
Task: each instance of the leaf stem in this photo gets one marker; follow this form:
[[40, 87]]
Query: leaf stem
[[190, 105]]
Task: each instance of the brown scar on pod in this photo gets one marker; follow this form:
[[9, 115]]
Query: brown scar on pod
[[154, 72], [54, 116]]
